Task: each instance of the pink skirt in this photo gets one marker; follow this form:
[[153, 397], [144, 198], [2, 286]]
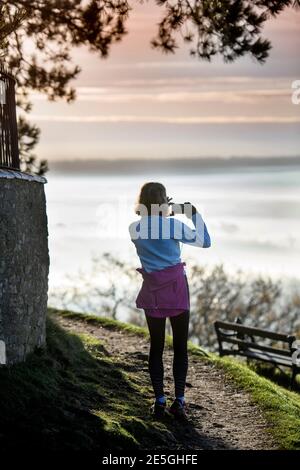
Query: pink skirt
[[163, 312]]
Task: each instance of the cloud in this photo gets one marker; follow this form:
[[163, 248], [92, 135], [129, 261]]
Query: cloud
[[248, 96], [203, 81], [208, 81], [185, 90], [153, 65], [185, 120]]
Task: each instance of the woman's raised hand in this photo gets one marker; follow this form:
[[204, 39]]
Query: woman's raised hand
[[189, 209]]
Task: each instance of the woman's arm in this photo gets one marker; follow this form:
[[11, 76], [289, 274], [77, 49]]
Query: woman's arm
[[198, 236]]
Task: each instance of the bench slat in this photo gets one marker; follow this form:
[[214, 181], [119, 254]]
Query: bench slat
[[259, 347], [268, 358], [254, 331], [281, 361]]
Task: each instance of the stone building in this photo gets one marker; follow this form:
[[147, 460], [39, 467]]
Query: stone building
[[24, 258]]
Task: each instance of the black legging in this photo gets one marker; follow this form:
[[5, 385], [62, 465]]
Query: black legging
[[180, 326]]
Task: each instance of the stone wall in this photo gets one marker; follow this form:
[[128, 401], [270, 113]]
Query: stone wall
[[24, 265]]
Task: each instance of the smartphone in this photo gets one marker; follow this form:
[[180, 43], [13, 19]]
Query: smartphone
[[177, 208]]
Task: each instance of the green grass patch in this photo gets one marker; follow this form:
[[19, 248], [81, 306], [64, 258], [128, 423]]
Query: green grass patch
[[108, 323], [280, 406], [119, 326], [72, 396]]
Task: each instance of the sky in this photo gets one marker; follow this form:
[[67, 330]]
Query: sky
[[140, 103]]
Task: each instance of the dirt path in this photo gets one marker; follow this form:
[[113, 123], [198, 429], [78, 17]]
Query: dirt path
[[220, 416]]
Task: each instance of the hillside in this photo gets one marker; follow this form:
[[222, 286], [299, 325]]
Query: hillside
[[90, 390]]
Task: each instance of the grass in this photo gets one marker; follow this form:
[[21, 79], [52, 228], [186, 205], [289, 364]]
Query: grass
[[120, 326], [280, 407], [281, 376], [73, 395]]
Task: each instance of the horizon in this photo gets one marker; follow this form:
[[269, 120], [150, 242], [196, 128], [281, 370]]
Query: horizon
[[189, 164]]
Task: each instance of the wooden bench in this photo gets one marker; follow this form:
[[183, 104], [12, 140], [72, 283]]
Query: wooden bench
[[242, 341]]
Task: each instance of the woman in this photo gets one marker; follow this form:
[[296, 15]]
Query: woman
[[164, 293]]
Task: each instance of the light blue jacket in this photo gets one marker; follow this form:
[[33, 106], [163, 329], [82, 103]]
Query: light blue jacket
[[157, 239]]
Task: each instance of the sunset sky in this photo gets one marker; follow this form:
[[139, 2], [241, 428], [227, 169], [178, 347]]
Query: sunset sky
[[139, 103]]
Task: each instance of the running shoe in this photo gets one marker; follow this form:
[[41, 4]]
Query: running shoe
[[178, 410], [158, 410]]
